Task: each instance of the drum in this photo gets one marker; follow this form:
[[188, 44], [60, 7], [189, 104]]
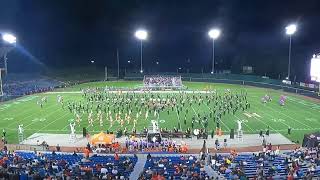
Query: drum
[[196, 132]]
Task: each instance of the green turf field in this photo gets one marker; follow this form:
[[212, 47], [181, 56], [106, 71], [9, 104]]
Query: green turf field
[[300, 113]]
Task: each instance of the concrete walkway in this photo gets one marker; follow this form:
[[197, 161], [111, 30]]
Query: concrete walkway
[[138, 168]]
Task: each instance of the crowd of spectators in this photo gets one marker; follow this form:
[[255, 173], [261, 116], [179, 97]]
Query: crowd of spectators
[[30, 165], [19, 85], [174, 167], [162, 81], [301, 163]]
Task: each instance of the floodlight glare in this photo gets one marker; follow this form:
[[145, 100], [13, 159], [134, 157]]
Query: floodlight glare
[[291, 29], [211, 72], [141, 71], [9, 38], [214, 33], [141, 34]]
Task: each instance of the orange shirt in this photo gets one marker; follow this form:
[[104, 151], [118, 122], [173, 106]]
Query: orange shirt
[[157, 177]]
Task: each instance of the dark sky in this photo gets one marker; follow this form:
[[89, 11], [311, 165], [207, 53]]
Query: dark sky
[[64, 33]]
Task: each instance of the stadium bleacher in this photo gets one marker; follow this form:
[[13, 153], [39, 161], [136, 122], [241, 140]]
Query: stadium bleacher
[[298, 164], [294, 165], [28, 165], [175, 167], [24, 84]]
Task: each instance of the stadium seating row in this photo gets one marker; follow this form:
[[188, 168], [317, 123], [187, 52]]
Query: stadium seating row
[[298, 164]]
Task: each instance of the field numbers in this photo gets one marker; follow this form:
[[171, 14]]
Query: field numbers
[[162, 121], [311, 119], [249, 115], [278, 120], [8, 119], [38, 119]]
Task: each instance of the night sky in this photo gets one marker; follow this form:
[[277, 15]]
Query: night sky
[[65, 33]]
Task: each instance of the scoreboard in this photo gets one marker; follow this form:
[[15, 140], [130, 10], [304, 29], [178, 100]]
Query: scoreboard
[[315, 68]]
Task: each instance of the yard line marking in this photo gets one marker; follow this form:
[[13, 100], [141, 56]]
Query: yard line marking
[[288, 116], [221, 121], [269, 115], [49, 114], [16, 109], [279, 112], [52, 122], [295, 103], [196, 115], [264, 123], [32, 114]]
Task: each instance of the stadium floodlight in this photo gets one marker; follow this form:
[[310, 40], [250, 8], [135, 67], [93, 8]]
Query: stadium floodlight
[[157, 62], [9, 38], [213, 34], [129, 61], [141, 35], [92, 62], [290, 30]]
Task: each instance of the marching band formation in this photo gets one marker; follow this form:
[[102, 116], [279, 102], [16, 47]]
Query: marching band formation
[[121, 110]]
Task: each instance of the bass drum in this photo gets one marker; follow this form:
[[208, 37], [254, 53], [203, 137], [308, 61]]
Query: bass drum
[[196, 132]]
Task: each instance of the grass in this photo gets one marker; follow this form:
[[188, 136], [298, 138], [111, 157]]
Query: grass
[[299, 113]]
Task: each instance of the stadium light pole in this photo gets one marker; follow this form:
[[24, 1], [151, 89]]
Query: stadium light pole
[[12, 40], [290, 30], [213, 34], [141, 35]]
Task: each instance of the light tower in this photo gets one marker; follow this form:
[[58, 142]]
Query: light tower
[[9, 41], [290, 30], [141, 35], [213, 34]]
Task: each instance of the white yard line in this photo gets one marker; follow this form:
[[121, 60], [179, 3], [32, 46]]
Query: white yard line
[[47, 115], [196, 115], [263, 122], [51, 122], [178, 116], [269, 114], [286, 115], [289, 117], [312, 114], [30, 115]]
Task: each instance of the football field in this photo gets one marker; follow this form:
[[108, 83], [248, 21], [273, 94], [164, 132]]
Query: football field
[[300, 113]]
